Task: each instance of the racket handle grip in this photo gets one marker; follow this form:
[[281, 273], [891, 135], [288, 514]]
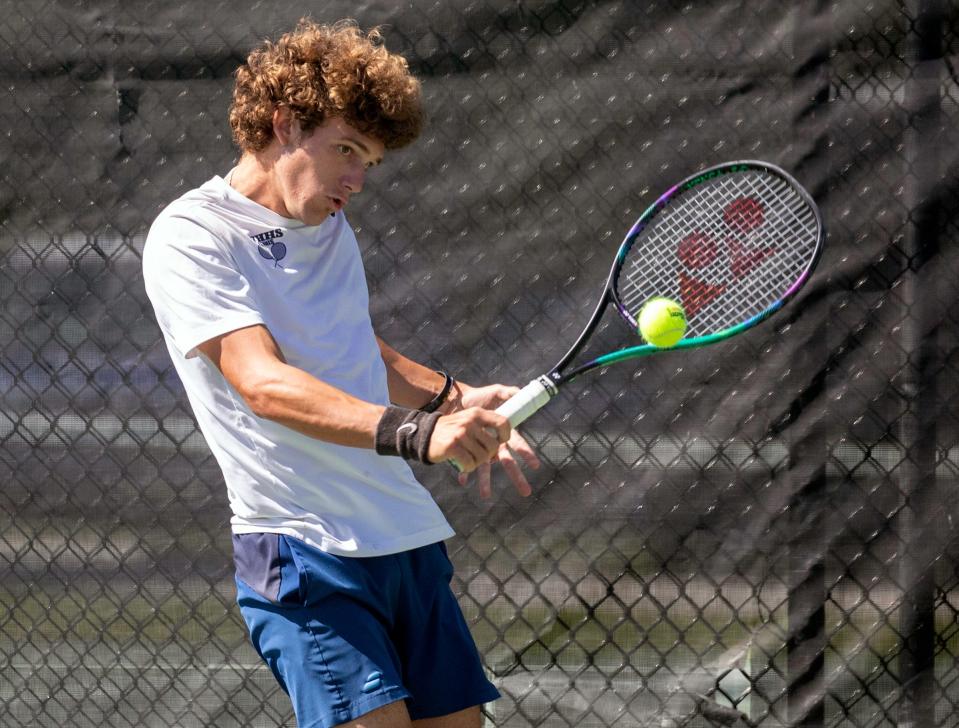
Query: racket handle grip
[[527, 401], [522, 405]]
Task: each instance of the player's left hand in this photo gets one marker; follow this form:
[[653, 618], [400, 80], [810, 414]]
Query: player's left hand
[[491, 397]]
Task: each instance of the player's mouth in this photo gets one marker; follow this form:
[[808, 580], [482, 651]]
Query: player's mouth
[[338, 203]]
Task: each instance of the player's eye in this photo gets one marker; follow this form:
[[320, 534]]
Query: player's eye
[[344, 149]]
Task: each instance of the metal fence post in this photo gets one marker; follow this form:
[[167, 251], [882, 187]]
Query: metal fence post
[[917, 427]]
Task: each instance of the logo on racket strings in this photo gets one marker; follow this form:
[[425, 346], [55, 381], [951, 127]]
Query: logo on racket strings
[[699, 251]]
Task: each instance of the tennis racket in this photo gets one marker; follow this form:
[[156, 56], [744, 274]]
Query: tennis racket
[[733, 244]]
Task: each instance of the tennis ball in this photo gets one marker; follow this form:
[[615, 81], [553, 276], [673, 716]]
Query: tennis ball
[[662, 322]]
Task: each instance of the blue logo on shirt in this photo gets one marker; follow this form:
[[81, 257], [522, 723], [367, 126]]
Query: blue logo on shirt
[[269, 247]]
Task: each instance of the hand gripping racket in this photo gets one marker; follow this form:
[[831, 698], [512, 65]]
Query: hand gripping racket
[[732, 244]]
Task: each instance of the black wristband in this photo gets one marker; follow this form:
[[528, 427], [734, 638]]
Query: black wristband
[[435, 403], [406, 433]]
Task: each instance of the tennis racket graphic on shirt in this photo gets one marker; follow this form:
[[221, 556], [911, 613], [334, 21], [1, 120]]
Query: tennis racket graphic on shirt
[[733, 244]]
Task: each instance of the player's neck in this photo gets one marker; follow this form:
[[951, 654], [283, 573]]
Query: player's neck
[[253, 178]]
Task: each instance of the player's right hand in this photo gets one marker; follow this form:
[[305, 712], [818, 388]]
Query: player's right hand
[[471, 437]]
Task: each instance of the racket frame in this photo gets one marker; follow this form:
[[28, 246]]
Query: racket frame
[[539, 391], [557, 377]]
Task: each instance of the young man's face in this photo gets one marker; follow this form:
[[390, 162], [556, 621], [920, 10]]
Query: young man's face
[[316, 173]]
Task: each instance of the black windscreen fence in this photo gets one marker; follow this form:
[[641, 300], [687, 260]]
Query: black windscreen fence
[[761, 532]]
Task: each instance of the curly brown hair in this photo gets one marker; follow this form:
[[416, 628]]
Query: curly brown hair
[[319, 71]]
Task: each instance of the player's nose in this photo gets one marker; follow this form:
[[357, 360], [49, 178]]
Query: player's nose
[[353, 180]]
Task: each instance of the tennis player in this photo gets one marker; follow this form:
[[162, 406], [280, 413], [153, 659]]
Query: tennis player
[[258, 287]]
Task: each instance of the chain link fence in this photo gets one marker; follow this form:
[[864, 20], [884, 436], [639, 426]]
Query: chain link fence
[[762, 533]]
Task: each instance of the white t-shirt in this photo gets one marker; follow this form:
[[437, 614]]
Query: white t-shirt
[[214, 262]]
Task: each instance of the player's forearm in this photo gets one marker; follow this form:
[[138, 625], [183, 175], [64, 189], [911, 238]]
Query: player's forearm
[[411, 384], [306, 404], [296, 399]]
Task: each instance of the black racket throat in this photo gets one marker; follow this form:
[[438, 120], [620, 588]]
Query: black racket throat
[[556, 375]]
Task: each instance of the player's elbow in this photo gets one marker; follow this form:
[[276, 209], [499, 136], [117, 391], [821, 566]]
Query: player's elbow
[[261, 393]]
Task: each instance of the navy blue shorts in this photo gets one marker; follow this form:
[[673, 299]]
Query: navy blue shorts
[[344, 636]]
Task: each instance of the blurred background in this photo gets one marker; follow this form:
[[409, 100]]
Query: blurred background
[[759, 533]]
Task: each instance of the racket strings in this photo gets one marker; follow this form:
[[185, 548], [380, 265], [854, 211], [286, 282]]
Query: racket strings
[[727, 249]]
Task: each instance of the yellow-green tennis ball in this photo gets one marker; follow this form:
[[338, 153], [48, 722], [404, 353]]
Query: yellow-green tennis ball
[[662, 322]]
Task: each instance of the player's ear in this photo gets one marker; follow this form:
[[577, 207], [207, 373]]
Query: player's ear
[[283, 125]]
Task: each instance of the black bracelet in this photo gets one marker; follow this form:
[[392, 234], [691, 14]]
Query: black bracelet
[[437, 401], [405, 432]]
